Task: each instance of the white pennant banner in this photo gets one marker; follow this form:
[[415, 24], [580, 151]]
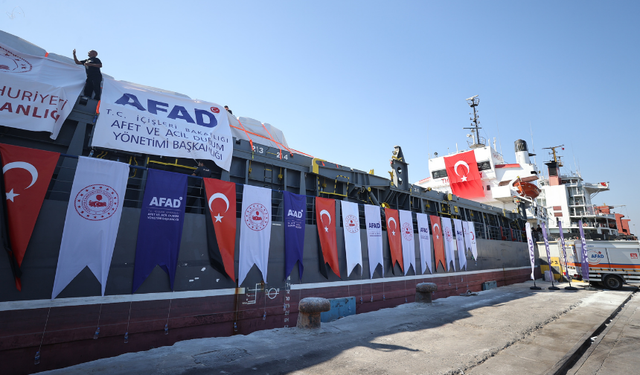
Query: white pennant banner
[[462, 253], [255, 231], [470, 238], [449, 251], [374, 237], [408, 245], [92, 220], [351, 225], [425, 242]]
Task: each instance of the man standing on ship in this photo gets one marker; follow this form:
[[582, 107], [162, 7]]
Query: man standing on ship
[[94, 76]]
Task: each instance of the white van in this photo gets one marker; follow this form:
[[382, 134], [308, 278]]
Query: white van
[[611, 263]]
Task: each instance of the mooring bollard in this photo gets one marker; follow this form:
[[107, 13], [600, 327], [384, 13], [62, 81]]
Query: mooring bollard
[[424, 291], [309, 310]]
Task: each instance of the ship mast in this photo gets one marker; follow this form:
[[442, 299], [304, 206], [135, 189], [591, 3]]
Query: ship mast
[[476, 140]]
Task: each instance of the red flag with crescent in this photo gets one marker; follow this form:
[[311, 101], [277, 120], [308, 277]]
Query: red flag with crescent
[[221, 203], [464, 177], [394, 233], [438, 244], [326, 216], [27, 173]]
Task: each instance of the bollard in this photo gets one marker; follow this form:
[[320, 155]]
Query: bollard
[[423, 292], [309, 310]]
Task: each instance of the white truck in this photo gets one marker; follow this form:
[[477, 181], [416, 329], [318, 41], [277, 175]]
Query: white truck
[[611, 263]]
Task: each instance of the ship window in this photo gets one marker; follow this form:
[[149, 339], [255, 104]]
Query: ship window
[[484, 165], [488, 187], [440, 174]]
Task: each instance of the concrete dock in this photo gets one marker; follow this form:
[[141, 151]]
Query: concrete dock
[[507, 330]]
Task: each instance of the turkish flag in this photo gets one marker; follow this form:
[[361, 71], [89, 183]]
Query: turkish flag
[[325, 217], [394, 232], [438, 244], [464, 177], [221, 201], [27, 173]]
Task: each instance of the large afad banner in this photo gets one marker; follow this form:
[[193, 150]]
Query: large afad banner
[[137, 119], [37, 93]]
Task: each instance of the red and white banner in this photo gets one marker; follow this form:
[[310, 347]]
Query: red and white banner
[[351, 226], [470, 238], [136, 119], [91, 224], [37, 93], [27, 173], [374, 238], [394, 234], [221, 201], [255, 231], [325, 218], [449, 250], [424, 238], [408, 244], [438, 244], [462, 253], [464, 177]]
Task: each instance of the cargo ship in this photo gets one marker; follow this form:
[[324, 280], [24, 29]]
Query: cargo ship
[[90, 319]]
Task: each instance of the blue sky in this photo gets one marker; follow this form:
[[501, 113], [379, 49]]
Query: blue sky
[[346, 81]]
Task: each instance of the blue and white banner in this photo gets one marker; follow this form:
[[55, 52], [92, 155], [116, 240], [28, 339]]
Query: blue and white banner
[[462, 253], [295, 210], [424, 238], [532, 255], [564, 248], [92, 221], [136, 119], [373, 221], [585, 254], [546, 245], [161, 222], [37, 93]]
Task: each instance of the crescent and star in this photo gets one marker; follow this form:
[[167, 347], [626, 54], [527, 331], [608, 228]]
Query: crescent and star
[[389, 224], [325, 212], [22, 165], [463, 163], [224, 198], [434, 229]]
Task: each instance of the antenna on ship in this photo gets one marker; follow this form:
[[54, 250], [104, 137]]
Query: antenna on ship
[[476, 140]]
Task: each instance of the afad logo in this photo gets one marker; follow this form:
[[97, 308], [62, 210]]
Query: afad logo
[[595, 257], [165, 202], [177, 112], [12, 63]]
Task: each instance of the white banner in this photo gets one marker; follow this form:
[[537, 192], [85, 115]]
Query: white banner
[[408, 245], [91, 224], [449, 250], [37, 93], [532, 255], [425, 242], [462, 253], [255, 231], [470, 238], [351, 225], [136, 119], [374, 237]]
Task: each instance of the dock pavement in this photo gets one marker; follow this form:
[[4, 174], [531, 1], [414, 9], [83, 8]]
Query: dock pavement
[[507, 330]]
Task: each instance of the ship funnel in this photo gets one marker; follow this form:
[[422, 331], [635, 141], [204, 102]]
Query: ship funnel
[[522, 153]]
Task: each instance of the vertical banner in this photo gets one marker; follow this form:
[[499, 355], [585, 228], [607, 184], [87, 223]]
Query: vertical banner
[[438, 245], [470, 238], [546, 246], [462, 253], [351, 226], [532, 256], [425, 242], [295, 208], [447, 233], [585, 254], [92, 220], [408, 245], [221, 225], [255, 231], [325, 216], [564, 250], [160, 227], [26, 175], [374, 238], [395, 242]]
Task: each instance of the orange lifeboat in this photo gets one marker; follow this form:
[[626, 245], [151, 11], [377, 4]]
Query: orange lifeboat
[[526, 189]]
